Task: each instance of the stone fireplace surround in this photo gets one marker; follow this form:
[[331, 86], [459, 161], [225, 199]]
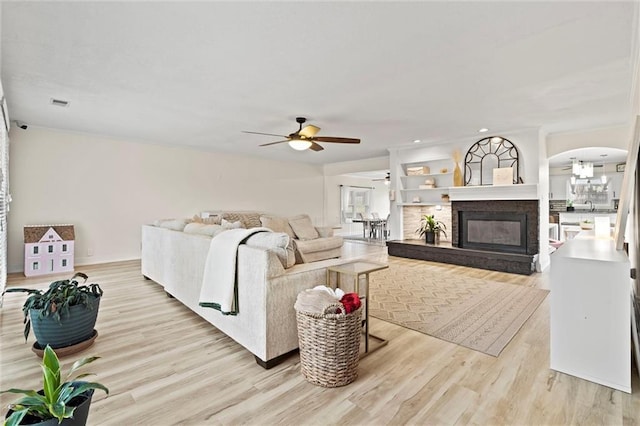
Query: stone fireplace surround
[[486, 199]]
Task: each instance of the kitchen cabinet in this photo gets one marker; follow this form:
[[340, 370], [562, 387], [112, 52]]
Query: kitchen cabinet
[[558, 187], [590, 312], [615, 184]]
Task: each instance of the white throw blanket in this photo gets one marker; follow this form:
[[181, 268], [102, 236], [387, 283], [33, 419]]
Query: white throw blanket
[[219, 285]]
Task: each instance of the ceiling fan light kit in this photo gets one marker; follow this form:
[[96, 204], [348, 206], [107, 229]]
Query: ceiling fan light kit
[[305, 138], [299, 144]]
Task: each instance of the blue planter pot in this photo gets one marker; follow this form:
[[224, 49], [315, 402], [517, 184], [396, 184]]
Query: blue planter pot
[[73, 328]]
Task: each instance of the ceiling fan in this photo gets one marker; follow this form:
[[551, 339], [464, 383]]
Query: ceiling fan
[[385, 179], [306, 137]]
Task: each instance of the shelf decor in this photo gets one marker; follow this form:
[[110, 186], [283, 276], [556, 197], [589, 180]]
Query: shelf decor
[[457, 173], [488, 154]]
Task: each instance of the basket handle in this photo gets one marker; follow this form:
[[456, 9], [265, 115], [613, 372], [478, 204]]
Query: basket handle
[[331, 309]]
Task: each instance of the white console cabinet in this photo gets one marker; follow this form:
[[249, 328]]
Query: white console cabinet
[[590, 311]]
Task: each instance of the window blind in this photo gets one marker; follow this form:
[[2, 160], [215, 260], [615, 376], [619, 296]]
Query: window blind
[[4, 194]]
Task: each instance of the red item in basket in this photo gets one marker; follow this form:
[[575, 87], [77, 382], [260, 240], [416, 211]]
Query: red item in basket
[[351, 302]]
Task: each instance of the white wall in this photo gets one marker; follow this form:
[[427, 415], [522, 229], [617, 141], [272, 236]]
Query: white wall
[[610, 137], [527, 141], [107, 188]]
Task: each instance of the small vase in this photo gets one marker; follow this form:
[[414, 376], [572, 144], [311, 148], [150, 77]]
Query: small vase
[[457, 176]]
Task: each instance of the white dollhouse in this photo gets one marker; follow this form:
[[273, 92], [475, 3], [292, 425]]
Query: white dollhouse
[[48, 249]]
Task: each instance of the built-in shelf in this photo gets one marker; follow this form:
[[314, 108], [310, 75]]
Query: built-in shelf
[[444, 189]]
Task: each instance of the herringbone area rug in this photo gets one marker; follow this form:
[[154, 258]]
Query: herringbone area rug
[[475, 313]]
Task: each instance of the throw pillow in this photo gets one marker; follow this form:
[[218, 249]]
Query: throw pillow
[[175, 224], [248, 219], [278, 242], [211, 220], [277, 224], [303, 227], [231, 225]]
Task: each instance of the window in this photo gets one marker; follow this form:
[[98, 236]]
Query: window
[[35, 249], [64, 262], [51, 236], [50, 249], [64, 247], [35, 266]]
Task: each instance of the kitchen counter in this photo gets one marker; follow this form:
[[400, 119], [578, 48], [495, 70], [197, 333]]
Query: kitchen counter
[[570, 221]]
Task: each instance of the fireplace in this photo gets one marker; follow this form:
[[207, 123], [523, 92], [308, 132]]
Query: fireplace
[[494, 231], [498, 235], [507, 226]]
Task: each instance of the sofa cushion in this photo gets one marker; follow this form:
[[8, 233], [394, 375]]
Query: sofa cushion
[[175, 224], [278, 242], [248, 219], [202, 229], [303, 227], [277, 224], [319, 244]]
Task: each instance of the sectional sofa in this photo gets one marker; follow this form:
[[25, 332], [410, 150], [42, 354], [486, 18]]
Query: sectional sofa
[[267, 286]]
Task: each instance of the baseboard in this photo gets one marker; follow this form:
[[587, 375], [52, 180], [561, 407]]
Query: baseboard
[[79, 261]]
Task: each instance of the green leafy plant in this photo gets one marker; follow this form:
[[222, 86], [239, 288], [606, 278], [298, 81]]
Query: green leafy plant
[[57, 300], [55, 399], [428, 223], [569, 203]]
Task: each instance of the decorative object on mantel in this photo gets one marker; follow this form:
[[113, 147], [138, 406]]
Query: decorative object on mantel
[[431, 229], [487, 154], [503, 176], [457, 173]]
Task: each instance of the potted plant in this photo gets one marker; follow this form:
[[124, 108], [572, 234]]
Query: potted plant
[[570, 207], [64, 315], [431, 229], [58, 402]]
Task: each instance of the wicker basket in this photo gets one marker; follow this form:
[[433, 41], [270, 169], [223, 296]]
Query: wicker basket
[[329, 347]]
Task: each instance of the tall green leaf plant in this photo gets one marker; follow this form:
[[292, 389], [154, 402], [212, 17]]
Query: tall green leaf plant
[[54, 399]]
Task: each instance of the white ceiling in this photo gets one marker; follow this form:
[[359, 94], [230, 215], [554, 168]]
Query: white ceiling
[[197, 74]]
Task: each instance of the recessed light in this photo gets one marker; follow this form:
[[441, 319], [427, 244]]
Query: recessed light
[[483, 130], [417, 141]]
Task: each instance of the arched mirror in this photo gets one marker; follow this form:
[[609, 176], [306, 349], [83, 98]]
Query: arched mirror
[[493, 152]]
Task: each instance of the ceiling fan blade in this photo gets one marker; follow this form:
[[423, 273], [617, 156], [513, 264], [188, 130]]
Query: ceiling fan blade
[[268, 134], [315, 147], [336, 140], [273, 143], [309, 131]]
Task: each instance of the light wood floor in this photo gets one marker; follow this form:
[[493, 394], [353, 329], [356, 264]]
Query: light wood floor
[[164, 365]]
